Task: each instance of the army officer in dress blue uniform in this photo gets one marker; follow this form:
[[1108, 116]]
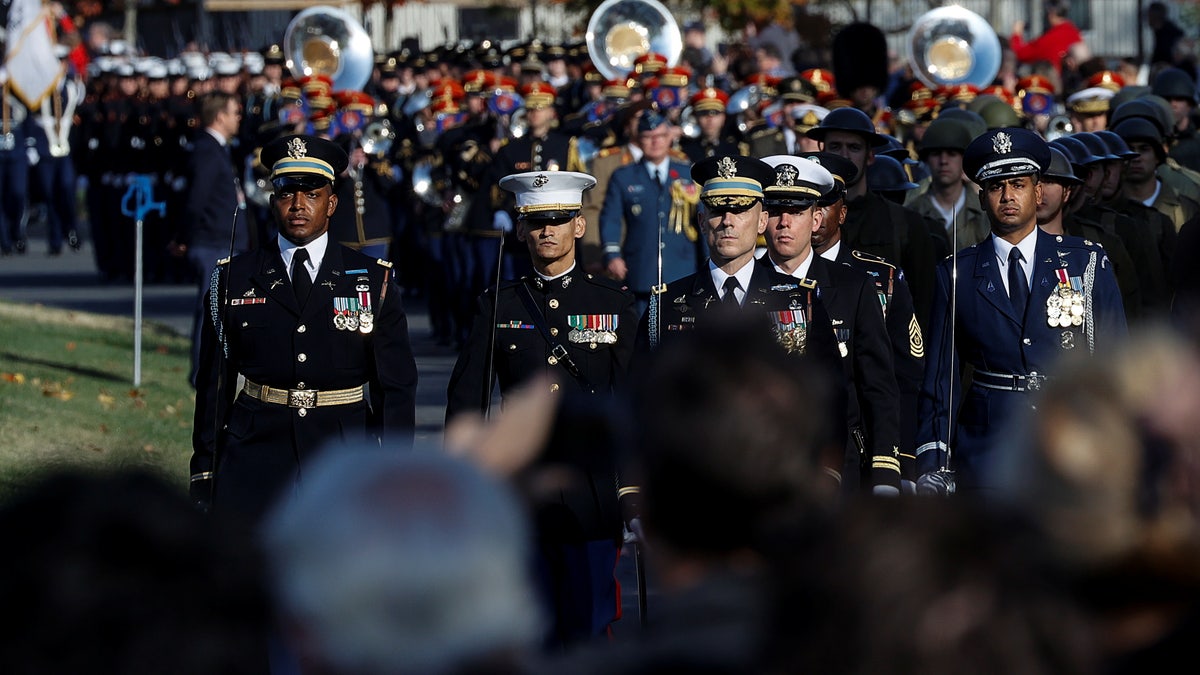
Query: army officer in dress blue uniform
[[1024, 299], [578, 328], [319, 335], [872, 399], [655, 201]]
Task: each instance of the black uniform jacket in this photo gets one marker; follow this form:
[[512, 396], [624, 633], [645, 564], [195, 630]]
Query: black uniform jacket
[[592, 317], [907, 339], [873, 398], [254, 448]]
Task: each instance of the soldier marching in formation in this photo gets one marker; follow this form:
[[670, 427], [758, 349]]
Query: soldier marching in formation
[[464, 175]]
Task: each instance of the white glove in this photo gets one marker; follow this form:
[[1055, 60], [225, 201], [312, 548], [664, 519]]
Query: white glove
[[936, 484], [502, 221], [33, 155]]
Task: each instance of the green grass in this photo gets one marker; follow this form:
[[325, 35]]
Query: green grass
[[67, 398]]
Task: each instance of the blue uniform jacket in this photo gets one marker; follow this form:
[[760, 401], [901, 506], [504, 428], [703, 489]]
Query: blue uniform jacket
[[633, 199], [990, 338]]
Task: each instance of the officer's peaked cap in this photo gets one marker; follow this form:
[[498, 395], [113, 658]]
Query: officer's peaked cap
[[305, 161], [1005, 153], [548, 195]]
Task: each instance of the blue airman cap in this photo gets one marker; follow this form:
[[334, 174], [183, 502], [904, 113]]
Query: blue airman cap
[[1005, 153], [798, 182], [548, 195], [732, 181], [303, 162], [650, 120]]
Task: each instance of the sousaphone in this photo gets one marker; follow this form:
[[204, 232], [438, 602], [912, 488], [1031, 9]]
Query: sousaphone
[[620, 31], [327, 41], [952, 45]]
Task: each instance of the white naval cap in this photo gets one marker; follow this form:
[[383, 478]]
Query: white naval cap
[[548, 194], [1090, 101], [797, 180]]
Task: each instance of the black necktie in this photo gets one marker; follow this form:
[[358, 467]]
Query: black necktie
[[658, 177], [730, 298], [1018, 287], [301, 282]]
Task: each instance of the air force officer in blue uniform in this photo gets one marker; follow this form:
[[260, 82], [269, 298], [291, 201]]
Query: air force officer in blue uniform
[[1025, 298], [655, 201]]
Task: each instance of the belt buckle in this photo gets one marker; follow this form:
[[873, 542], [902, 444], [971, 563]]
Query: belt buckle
[[302, 398], [1034, 381]]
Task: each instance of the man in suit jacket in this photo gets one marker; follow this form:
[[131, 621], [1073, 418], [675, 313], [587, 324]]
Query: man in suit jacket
[[214, 219], [656, 202], [318, 333], [872, 453], [1024, 298]]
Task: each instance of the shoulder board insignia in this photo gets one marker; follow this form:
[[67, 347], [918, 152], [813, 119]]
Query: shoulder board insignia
[[808, 283], [223, 261], [785, 287], [609, 151], [870, 257], [383, 263]]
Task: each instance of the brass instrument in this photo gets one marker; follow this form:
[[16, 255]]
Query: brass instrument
[[952, 45], [620, 31], [325, 40]]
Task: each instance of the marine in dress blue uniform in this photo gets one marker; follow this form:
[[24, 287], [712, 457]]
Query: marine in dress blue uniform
[[652, 212], [579, 329], [332, 362], [1071, 304], [872, 457]]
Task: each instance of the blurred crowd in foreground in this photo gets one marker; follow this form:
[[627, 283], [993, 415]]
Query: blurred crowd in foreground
[[1084, 561]]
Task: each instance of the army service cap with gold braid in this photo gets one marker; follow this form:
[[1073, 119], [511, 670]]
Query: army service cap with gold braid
[[548, 195], [303, 162], [798, 182], [732, 182]]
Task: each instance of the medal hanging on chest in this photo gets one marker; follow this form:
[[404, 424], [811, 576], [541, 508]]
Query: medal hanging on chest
[[366, 318], [345, 313], [1064, 307], [791, 330]]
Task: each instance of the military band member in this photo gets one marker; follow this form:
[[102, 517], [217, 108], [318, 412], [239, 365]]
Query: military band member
[[579, 328], [14, 170], [708, 107], [872, 453], [1024, 298], [318, 333]]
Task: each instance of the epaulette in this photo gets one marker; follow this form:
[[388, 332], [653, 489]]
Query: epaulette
[[224, 261], [871, 258], [383, 263], [609, 151], [679, 155]]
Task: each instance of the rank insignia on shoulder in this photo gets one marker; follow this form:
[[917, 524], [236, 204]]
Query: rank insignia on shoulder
[[785, 287], [383, 263], [224, 261]]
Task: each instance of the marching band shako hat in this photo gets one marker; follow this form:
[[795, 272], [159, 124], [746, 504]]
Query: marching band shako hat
[[709, 100], [1005, 153], [538, 94], [798, 182], [304, 162], [843, 171], [548, 195], [732, 182]]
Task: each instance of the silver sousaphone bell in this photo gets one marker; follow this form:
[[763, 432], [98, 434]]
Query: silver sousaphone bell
[[952, 45], [327, 41], [620, 31]]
